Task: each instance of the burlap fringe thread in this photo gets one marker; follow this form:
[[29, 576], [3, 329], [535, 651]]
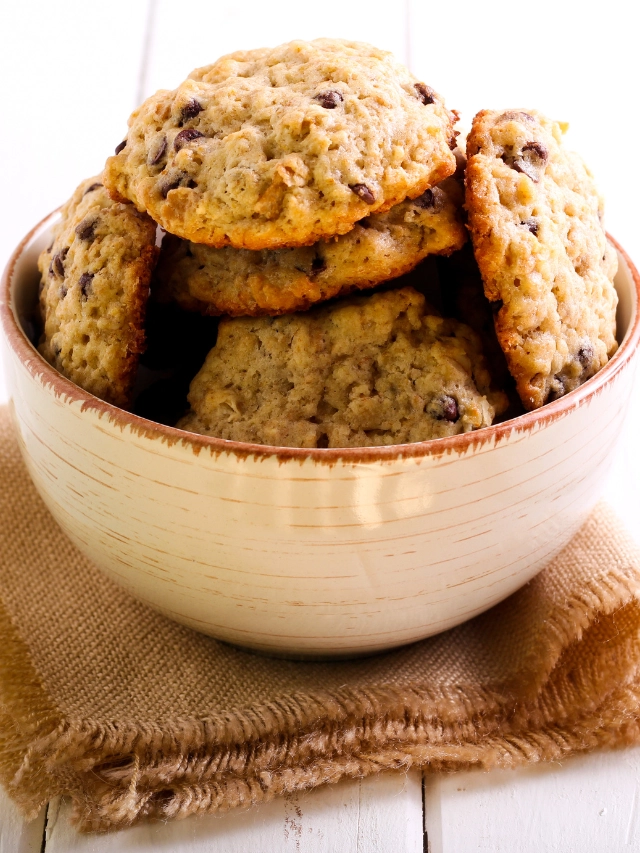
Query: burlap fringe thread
[[122, 772]]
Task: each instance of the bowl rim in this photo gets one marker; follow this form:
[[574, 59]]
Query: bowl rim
[[460, 444]]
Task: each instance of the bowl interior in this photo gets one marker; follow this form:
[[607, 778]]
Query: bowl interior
[[627, 299], [26, 277]]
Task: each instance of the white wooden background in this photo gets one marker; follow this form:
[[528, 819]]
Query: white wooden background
[[70, 73]]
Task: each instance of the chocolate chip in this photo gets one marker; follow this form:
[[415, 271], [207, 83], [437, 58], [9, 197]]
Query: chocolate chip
[[426, 200], [522, 166], [185, 136], [91, 189], [121, 146], [329, 100], [191, 109], [318, 265], [85, 284], [172, 181], [531, 224], [556, 389], [155, 155], [86, 229], [57, 263], [449, 409], [169, 183], [513, 115], [363, 192], [586, 354], [425, 93], [532, 160], [63, 291], [444, 408], [538, 149]]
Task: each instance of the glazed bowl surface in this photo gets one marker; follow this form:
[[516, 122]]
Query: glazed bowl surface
[[312, 553]]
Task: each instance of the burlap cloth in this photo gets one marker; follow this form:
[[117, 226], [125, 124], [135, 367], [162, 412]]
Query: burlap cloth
[[136, 717]]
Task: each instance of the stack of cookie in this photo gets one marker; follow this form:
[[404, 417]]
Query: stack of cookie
[[289, 177]]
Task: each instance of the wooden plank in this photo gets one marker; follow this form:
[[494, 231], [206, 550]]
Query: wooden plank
[[213, 29], [16, 834], [584, 805], [390, 817], [382, 814]]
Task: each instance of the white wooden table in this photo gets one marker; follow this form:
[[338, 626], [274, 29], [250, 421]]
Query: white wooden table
[[70, 73]]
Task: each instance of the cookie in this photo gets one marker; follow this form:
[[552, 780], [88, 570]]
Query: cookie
[[93, 292], [383, 246], [364, 371], [535, 218], [283, 146]]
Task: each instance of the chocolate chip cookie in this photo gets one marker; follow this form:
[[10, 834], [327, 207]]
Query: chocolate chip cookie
[[241, 282], [364, 371], [535, 218], [93, 292], [283, 146]]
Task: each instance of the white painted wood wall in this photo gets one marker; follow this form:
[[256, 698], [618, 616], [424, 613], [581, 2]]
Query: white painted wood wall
[[70, 73]]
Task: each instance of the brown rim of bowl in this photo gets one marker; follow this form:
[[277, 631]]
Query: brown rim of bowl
[[458, 444]]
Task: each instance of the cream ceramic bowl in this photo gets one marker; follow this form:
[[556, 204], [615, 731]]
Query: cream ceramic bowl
[[312, 553]]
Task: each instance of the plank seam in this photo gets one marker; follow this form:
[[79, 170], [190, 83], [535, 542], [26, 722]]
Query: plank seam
[[141, 90], [43, 843]]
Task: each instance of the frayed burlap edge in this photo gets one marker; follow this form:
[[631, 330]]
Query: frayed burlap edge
[[27, 719], [122, 772]]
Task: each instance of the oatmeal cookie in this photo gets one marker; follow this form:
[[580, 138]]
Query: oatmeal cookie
[[535, 218], [93, 292], [240, 282], [365, 371], [283, 146]]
